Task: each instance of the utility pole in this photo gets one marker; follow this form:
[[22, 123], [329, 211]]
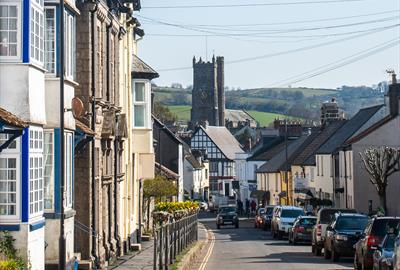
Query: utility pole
[[286, 162], [61, 250]]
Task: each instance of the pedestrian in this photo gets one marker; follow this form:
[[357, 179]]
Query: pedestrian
[[247, 206], [253, 206], [240, 206]]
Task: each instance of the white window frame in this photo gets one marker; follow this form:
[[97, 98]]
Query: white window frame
[[146, 103], [36, 152], [51, 175], [68, 170], [54, 41], [39, 8], [16, 217], [70, 44], [17, 57]]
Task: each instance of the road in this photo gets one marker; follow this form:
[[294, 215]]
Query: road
[[249, 248]]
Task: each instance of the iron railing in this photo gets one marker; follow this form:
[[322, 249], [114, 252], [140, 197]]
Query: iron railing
[[171, 238]]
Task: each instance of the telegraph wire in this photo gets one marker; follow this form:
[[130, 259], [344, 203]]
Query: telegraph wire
[[251, 4], [339, 63]]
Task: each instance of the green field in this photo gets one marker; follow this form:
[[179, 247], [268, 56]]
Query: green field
[[263, 118]]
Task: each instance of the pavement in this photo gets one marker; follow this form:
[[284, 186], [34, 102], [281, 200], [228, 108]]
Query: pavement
[[139, 260], [249, 248]]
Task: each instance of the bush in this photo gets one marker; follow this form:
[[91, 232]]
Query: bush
[[172, 207], [10, 264]]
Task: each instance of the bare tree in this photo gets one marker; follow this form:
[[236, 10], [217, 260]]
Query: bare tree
[[380, 163]]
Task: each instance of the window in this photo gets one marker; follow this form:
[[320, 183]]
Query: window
[[48, 170], [8, 185], [140, 105], [35, 171], [50, 40], [68, 169], [5, 137], [10, 16], [37, 32], [69, 24], [213, 166]]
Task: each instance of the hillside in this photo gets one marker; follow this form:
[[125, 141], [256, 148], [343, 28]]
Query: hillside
[[263, 118]]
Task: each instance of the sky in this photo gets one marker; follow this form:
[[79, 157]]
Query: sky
[[273, 43]]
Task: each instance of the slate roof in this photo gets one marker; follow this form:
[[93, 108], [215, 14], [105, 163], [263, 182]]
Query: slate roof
[[369, 130], [193, 161], [168, 131], [224, 140], [10, 119], [238, 116], [307, 155], [142, 70], [164, 171], [269, 150], [84, 127], [348, 129], [274, 164]]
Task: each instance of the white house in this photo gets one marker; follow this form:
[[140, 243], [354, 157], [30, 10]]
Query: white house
[[195, 175]]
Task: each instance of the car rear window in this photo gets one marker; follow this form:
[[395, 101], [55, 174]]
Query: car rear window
[[227, 209], [327, 215], [308, 221], [269, 210], [382, 226], [292, 213], [351, 223]]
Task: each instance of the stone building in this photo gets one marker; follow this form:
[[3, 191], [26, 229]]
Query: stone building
[[106, 37], [208, 94]]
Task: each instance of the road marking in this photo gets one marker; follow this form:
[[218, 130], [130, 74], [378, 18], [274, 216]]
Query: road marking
[[209, 251]]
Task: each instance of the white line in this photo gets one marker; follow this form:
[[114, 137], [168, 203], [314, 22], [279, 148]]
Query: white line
[[209, 251]]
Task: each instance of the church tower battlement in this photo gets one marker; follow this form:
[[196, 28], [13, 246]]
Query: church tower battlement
[[208, 96]]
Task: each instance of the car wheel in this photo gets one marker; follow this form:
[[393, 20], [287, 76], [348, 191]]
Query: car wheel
[[327, 253], [312, 248], [218, 226], [317, 251], [237, 225], [294, 241], [334, 255], [280, 235], [273, 234], [289, 239]]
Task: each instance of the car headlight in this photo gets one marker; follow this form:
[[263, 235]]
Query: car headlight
[[219, 217], [340, 237]]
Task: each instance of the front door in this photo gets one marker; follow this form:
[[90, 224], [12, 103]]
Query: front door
[[227, 189]]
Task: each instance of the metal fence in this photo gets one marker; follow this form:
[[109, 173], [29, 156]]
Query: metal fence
[[172, 238]]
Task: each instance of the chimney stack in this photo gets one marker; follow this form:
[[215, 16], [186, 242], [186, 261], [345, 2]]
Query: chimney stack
[[394, 95]]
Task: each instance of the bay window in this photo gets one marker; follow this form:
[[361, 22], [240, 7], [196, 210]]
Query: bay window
[[50, 40], [69, 27], [141, 104], [37, 32], [8, 185], [69, 159], [10, 24], [35, 171]]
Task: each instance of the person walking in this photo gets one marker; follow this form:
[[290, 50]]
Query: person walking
[[253, 206], [247, 207]]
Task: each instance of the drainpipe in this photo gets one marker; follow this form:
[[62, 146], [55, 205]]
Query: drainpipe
[[93, 124], [345, 179], [62, 244], [116, 166]]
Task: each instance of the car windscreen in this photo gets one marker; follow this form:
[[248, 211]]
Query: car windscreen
[[227, 209], [269, 210], [382, 226], [351, 223], [308, 221], [291, 213], [327, 215]]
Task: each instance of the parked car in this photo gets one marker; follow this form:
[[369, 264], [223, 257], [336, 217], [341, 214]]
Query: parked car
[[396, 250], [373, 234], [267, 217], [203, 205], [227, 215], [342, 234], [283, 219], [382, 256], [258, 220], [324, 217], [302, 229]]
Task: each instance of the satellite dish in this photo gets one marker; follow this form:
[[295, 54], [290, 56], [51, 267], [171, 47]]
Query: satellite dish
[[77, 107]]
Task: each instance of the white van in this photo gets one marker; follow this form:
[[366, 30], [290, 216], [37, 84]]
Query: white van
[[283, 219]]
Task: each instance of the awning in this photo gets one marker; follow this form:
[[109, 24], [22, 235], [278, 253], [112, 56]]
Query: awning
[[261, 195], [12, 126], [305, 191]]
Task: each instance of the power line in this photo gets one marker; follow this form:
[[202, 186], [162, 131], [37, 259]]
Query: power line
[[340, 63], [305, 48], [251, 4]]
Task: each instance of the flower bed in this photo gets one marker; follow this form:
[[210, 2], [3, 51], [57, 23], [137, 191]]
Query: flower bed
[[175, 210]]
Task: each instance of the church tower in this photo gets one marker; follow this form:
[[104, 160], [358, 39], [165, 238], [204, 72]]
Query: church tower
[[208, 96]]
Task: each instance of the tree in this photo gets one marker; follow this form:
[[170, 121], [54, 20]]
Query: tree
[[159, 189], [380, 163], [163, 113]]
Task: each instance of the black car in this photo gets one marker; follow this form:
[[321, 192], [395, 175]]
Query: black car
[[341, 235], [227, 215], [372, 236], [302, 229], [267, 217], [383, 254]]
